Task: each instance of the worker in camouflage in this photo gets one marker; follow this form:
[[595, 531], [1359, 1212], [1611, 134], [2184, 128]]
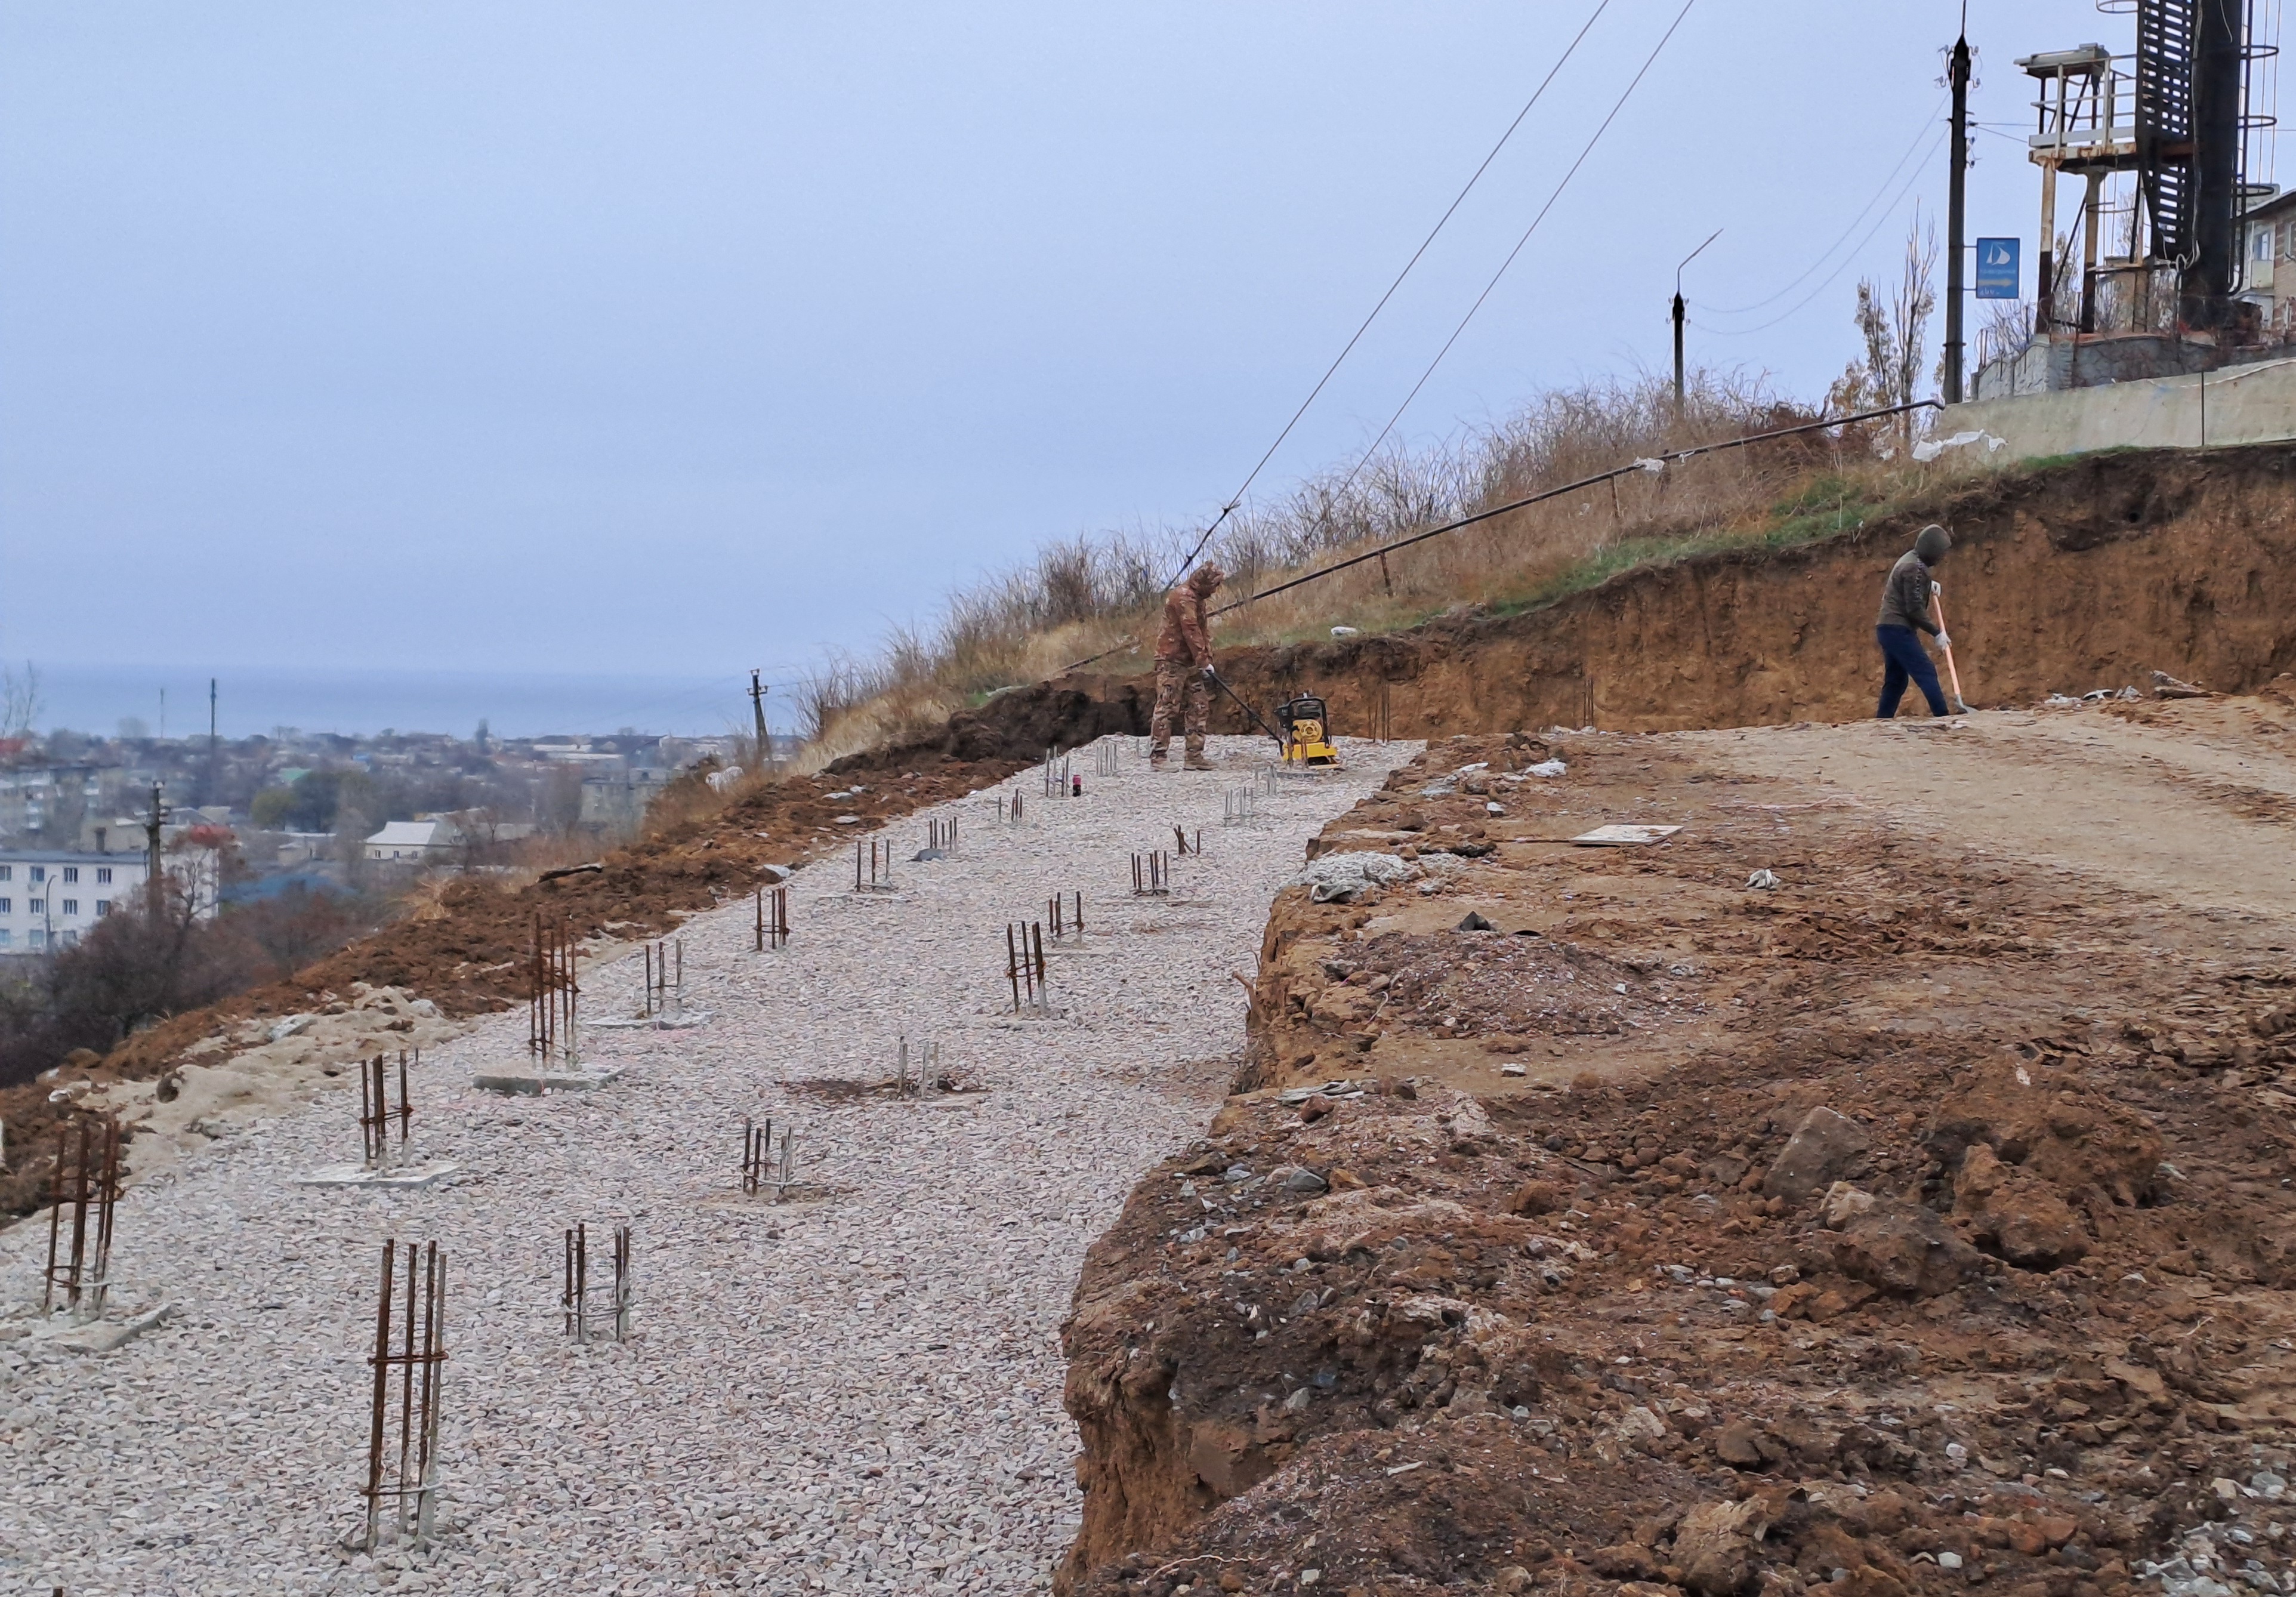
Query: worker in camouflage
[[1184, 661]]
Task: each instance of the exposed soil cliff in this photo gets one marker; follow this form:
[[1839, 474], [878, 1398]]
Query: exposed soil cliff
[[2066, 577]]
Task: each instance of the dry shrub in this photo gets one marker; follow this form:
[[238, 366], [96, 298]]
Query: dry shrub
[[1087, 596]]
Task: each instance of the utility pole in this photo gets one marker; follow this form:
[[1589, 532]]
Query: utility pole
[[1959, 73], [758, 713], [154, 892], [215, 747], [1679, 310]]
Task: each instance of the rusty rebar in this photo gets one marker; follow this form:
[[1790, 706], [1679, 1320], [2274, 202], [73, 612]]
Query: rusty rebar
[[575, 1299], [553, 994], [91, 1190], [772, 918], [376, 1114], [421, 1337], [1152, 874]]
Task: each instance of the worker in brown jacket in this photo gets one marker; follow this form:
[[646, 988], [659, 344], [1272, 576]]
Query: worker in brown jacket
[[1184, 659]]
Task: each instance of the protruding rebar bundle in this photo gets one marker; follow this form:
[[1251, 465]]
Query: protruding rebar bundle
[[1104, 756], [379, 1149], [1024, 965], [1008, 809], [880, 876], [615, 1321], [910, 1072], [1059, 780], [1152, 874], [415, 1348], [1065, 916], [1186, 845], [772, 918], [1382, 726], [1238, 805], [87, 1182], [665, 979], [552, 1027], [940, 834], [764, 1165]]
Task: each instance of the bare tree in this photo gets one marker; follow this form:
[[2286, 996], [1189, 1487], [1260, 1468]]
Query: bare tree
[[1894, 326], [20, 700]]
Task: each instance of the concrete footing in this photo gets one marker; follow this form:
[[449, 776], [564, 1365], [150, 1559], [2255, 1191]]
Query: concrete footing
[[534, 1083], [398, 1176]]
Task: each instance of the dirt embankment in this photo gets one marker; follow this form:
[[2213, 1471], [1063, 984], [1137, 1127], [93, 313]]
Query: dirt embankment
[[464, 955], [1919, 1223], [2091, 572]]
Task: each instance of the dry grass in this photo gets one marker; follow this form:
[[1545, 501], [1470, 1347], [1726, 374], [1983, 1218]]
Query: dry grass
[[1083, 597]]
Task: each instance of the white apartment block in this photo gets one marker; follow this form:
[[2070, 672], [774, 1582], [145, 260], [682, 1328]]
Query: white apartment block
[[51, 898]]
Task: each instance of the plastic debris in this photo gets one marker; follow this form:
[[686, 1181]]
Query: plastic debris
[[1763, 880]]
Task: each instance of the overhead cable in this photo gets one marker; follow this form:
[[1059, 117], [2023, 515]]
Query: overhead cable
[[1847, 261], [1929, 124], [1236, 499], [1648, 62]]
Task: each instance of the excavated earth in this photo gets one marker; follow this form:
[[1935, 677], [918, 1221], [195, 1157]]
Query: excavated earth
[[1915, 1217]]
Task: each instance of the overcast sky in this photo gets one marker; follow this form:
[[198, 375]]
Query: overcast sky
[[673, 340]]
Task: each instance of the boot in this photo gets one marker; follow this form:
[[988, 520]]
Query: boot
[[1198, 763], [1158, 758]]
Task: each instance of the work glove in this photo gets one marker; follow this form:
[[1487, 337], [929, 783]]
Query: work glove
[[1944, 642], [1208, 673]]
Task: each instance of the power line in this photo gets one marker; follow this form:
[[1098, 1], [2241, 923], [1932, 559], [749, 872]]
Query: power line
[[1847, 261], [1648, 62], [1236, 499], [1928, 122], [1558, 491]]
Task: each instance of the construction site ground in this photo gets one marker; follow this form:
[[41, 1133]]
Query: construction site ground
[[856, 1389], [1882, 1182]]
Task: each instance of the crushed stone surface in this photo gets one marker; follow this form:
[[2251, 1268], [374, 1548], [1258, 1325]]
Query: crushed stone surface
[[857, 1390]]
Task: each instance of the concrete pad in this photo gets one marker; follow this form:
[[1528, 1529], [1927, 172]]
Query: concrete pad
[[99, 1336], [358, 1175], [534, 1083]]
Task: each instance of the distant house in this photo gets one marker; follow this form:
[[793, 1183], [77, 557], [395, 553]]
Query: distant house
[[617, 801], [48, 897], [414, 840]]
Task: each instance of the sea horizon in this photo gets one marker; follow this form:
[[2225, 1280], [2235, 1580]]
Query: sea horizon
[[104, 699]]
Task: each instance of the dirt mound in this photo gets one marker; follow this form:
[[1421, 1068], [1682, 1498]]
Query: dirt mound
[[1900, 1236]]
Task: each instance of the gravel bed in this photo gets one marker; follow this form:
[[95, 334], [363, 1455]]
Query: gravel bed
[[856, 1391]]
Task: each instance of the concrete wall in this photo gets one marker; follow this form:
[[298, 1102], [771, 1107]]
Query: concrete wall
[[2244, 404]]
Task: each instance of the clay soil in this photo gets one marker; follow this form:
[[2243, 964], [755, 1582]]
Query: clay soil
[[1921, 1223], [464, 953]]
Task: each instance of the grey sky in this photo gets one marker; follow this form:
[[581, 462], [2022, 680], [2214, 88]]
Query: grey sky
[[680, 339]]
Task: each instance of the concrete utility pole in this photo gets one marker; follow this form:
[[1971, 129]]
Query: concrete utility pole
[[154, 894], [1954, 205], [1678, 308], [758, 713]]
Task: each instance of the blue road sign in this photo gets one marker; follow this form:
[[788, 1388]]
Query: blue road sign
[[1997, 268]]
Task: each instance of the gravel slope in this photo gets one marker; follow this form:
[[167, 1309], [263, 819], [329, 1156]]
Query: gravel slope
[[860, 1393]]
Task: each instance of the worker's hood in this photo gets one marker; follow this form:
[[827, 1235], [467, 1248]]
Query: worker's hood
[[1932, 544], [1207, 578]]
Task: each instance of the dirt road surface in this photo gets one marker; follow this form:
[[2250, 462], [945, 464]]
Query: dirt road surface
[[1918, 1215]]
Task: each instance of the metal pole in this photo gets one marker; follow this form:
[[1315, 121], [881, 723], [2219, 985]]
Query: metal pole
[[1678, 314], [1954, 206]]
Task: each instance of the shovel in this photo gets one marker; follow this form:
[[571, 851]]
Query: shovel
[[1937, 598]]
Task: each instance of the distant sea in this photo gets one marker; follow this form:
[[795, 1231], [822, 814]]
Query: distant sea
[[98, 699]]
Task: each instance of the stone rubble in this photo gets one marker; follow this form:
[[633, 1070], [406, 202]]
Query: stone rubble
[[857, 1391]]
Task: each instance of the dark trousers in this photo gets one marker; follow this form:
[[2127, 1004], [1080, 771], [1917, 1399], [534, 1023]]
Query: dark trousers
[[1903, 661]]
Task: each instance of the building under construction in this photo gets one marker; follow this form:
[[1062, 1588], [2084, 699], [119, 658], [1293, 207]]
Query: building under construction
[[2155, 271]]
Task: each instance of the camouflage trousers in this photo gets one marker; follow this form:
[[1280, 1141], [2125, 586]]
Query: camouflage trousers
[[1173, 677]]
